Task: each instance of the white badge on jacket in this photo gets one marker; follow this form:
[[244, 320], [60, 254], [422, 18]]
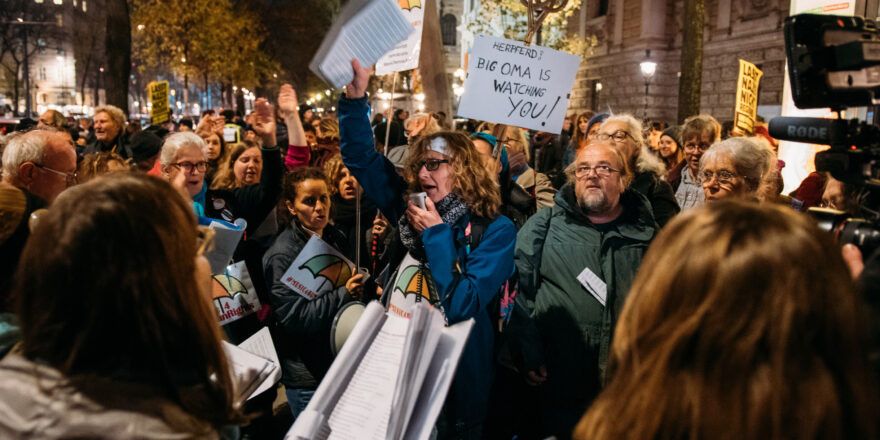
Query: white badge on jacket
[[594, 285]]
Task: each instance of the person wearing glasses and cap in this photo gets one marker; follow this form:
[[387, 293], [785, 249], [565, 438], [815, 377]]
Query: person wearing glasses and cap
[[40, 162], [576, 261], [462, 247]]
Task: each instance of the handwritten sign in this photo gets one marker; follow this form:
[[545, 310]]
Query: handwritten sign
[[317, 270], [159, 111], [524, 86], [746, 98], [405, 56]]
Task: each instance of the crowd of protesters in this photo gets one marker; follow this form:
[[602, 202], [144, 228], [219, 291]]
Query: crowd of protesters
[[626, 278]]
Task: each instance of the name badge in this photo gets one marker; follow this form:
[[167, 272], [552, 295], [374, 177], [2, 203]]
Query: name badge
[[594, 285]]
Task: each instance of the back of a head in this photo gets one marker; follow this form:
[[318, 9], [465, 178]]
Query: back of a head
[[758, 333], [134, 295]]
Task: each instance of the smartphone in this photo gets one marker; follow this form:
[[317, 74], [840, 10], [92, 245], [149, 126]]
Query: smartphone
[[418, 199]]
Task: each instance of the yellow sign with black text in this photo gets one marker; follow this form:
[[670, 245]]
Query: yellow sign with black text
[[746, 98], [159, 110]]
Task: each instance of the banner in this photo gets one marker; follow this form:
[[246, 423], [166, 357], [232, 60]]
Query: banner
[[234, 294], [159, 112], [524, 86], [746, 109], [317, 270], [405, 56]]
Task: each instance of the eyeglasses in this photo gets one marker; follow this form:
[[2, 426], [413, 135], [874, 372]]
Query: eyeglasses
[[69, 178], [618, 136], [692, 147], [583, 171], [723, 177], [429, 164], [204, 240], [187, 167]]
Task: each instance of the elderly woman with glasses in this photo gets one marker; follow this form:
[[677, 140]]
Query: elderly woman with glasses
[[734, 167], [454, 237], [624, 132]]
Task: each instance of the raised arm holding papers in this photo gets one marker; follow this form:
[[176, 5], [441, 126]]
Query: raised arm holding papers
[[390, 379], [366, 30]]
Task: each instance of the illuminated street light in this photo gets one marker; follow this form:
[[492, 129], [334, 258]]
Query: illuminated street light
[[649, 68]]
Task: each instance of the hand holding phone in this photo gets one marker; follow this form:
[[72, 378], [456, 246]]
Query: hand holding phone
[[418, 199]]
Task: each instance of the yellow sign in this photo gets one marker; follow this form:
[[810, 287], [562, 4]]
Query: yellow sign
[[159, 111], [746, 98]]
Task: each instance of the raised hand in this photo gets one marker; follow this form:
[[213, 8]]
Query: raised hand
[[287, 100], [357, 88], [264, 122]]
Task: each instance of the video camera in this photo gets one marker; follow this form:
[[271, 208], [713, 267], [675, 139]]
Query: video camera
[[834, 62]]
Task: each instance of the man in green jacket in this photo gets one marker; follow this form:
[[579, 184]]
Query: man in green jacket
[[576, 262]]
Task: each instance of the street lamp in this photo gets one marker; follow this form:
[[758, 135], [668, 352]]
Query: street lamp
[[648, 68]]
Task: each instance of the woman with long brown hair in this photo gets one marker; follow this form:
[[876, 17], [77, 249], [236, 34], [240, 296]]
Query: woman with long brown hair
[[453, 236], [758, 333], [119, 340]]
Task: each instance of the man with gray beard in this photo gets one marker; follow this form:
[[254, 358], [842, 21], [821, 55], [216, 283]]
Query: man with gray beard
[[576, 261]]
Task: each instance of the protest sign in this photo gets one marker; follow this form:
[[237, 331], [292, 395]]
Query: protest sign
[[234, 294], [405, 56], [318, 269], [511, 83], [746, 98], [159, 111]]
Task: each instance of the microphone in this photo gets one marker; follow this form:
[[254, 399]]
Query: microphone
[[808, 130]]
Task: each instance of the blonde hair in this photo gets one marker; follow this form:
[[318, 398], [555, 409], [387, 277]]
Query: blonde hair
[[225, 177], [700, 126], [758, 333], [115, 114], [470, 180]]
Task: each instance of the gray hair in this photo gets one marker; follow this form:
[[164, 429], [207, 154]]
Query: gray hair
[[175, 142], [24, 147], [115, 113], [751, 158], [646, 161]]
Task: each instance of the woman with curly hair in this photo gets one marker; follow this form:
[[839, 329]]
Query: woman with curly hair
[[462, 247], [758, 333]]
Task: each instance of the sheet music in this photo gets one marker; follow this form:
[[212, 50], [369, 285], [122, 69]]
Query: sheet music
[[365, 35], [365, 406], [438, 380]]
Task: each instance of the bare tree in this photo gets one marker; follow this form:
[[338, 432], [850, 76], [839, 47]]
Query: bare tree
[[691, 59], [118, 51]]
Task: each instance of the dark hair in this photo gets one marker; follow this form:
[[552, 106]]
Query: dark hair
[[188, 122], [130, 309], [309, 128], [288, 189]]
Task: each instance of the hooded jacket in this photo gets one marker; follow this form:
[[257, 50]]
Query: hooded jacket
[[574, 329]]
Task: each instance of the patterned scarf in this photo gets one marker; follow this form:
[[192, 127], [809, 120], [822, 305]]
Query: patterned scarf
[[451, 208]]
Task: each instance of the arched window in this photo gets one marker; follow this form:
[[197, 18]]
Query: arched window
[[447, 28]]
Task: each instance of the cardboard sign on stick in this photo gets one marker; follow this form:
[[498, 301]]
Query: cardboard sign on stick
[[746, 98], [405, 56], [317, 270], [524, 86]]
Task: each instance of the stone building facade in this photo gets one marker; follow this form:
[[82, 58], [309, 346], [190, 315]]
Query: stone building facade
[[619, 32]]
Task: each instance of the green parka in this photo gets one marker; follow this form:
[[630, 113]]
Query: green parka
[[572, 331]]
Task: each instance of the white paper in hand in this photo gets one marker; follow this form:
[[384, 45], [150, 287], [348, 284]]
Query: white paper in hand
[[318, 269], [593, 284], [365, 30]]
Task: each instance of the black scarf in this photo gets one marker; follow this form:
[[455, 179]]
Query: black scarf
[[451, 208]]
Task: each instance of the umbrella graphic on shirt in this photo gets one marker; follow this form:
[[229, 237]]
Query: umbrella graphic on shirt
[[409, 4], [333, 268], [413, 281]]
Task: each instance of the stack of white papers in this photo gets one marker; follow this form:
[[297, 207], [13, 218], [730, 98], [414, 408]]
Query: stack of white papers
[[365, 30], [389, 362], [255, 364]]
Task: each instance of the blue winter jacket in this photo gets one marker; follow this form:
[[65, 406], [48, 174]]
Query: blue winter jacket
[[464, 295]]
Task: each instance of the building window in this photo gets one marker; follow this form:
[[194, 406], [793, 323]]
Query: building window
[[602, 10], [447, 29], [42, 74], [59, 19], [74, 3], [38, 1], [84, 6], [58, 2]]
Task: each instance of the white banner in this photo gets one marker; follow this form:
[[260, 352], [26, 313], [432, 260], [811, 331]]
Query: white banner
[[524, 86], [405, 56], [317, 270]]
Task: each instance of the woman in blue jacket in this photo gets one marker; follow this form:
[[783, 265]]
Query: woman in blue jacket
[[459, 238]]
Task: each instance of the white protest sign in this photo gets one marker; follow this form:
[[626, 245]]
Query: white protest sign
[[234, 294], [405, 56], [318, 269], [524, 86]]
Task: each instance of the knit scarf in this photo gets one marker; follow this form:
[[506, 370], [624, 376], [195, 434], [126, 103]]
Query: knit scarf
[[451, 208]]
